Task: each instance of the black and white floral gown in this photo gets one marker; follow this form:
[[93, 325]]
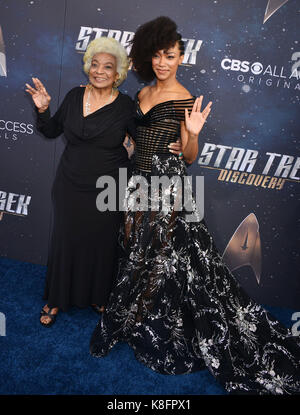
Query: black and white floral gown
[[174, 301]]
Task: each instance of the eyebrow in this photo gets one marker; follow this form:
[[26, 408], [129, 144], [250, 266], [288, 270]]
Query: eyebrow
[[105, 63]]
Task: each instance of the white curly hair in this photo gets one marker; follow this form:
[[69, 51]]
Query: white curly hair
[[111, 46]]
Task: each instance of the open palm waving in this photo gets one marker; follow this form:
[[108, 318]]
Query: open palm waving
[[196, 119], [39, 95]]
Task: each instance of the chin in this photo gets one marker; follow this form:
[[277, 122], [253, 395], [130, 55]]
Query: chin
[[162, 77], [101, 84]]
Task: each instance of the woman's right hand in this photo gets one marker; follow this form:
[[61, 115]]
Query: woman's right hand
[[129, 145], [39, 95]]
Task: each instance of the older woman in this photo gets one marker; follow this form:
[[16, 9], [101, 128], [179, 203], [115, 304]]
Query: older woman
[[94, 120]]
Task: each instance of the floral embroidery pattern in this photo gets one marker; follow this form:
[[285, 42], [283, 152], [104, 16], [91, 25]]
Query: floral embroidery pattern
[[176, 303]]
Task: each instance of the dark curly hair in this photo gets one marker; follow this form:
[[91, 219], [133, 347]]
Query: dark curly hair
[[158, 34]]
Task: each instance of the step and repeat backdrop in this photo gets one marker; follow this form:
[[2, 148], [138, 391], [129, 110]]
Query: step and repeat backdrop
[[243, 55]]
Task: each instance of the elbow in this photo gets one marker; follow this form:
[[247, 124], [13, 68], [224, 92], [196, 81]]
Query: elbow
[[46, 133], [190, 160]]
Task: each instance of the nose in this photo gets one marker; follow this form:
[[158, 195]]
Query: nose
[[99, 69], [161, 60]]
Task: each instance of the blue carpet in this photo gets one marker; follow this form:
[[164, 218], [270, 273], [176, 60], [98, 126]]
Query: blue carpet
[[56, 360]]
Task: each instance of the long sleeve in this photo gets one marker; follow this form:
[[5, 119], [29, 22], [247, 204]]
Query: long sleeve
[[52, 127], [131, 128]]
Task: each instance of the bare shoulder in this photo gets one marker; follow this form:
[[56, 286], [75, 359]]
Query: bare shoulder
[[143, 92], [183, 93]]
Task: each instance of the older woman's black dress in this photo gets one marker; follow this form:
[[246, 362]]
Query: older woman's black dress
[[83, 250]]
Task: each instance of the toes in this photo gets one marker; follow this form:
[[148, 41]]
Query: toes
[[45, 320], [54, 311], [46, 308]]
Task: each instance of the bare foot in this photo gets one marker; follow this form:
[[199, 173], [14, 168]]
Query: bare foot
[[46, 319], [98, 308]]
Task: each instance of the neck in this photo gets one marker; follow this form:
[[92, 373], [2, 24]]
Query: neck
[[168, 84], [102, 93]]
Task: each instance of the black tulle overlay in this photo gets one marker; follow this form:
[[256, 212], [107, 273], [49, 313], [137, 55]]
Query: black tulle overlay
[[176, 303]]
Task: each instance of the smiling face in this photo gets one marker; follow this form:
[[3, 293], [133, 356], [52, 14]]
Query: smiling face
[[103, 71], [165, 62]]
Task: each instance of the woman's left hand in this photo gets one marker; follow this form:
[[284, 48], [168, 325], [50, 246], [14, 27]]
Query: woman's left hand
[[196, 119], [176, 148]]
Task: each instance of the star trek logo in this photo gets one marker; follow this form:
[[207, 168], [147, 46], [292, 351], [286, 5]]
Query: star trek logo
[[87, 34], [244, 247], [3, 71], [272, 7], [236, 165], [13, 203]]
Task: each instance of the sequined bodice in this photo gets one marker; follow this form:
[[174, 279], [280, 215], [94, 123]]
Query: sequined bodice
[[156, 129]]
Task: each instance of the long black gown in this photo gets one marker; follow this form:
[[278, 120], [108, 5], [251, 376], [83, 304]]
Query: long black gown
[[83, 251], [174, 301]]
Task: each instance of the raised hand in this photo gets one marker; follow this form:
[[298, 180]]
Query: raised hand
[[196, 119], [39, 95]]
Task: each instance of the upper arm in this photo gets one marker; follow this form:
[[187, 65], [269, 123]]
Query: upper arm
[[131, 127]]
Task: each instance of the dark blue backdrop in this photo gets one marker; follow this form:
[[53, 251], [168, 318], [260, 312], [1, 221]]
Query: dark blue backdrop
[[249, 69]]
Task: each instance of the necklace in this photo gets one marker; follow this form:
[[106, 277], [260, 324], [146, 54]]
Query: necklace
[[88, 104]]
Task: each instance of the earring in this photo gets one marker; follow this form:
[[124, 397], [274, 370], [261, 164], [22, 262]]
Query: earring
[[115, 83]]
